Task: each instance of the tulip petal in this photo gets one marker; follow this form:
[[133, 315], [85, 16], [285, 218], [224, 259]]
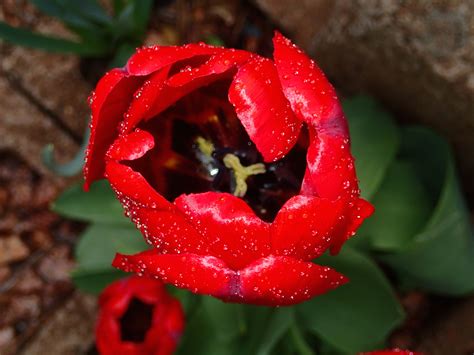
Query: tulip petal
[[310, 94], [131, 146], [169, 231], [150, 59], [187, 81], [133, 190], [143, 99], [217, 64], [282, 280], [353, 218], [228, 226], [160, 92], [304, 226], [108, 103], [331, 166], [201, 274], [265, 113], [314, 100]]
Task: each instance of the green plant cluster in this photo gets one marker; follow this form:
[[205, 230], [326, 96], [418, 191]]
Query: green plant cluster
[[420, 230], [99, 33]]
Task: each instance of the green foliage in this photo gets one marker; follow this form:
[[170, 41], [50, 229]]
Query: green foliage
[[359, 315], [375, 140], [99, 33], [420, 230], [99, 205], [109, 232], [421, 226]]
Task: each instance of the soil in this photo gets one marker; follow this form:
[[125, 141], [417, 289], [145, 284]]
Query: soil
[[43, 100]]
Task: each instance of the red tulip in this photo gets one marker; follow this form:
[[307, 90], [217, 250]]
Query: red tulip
[[236, 168], [138, 317]]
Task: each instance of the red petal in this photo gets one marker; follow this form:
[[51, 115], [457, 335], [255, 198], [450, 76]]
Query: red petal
[[303, 227], [353, 218], [167, 327], [132, 189], [187, 81], [281, 280], [131, 146], [217, 64], [169, 231], [150, 59], [330, 166], [143, 99], [167, 322], [228, 226], [314, 100], [111, 302], [108, 103], [200, 274], [265, 113], [158, 93], [310, 94]]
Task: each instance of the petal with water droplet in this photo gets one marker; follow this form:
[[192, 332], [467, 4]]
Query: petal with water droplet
[[304, 226], [144, 99], [353, 218], [131, 146], [169, 231], [281, 280], [228, 225], [201, 274], [265, 113], [108, 103], [133, 189], [314, 100], [150, 59]]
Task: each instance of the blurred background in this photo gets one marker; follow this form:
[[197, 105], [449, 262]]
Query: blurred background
[[416, 58]]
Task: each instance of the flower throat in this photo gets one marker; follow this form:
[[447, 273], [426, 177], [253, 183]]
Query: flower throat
[[209, 150]]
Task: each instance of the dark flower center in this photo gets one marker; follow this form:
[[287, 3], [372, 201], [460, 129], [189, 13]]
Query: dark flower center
[[202, 146], [136, 321]]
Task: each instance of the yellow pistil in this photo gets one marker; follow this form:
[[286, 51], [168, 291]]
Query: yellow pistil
[[241, 173], [206, 147]]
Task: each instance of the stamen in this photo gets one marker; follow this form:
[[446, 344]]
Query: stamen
[[241, 173], [206, 147]]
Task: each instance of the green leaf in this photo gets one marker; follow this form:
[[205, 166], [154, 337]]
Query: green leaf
[[298, 341], [81, 14], [141, 15], [121, 56], [99, 243], [94, 281], [96, 250], [402, 207], [54, 9], [279, 323], [23, 37], [374, 141], [226, 318], [119, 6], [199, 337], [89, 10], [71, 168], [257, 319], [99, 204], [441, 257], [357, 316]]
